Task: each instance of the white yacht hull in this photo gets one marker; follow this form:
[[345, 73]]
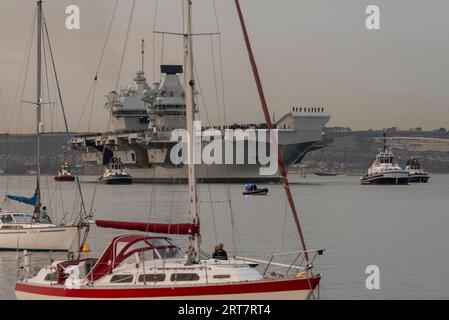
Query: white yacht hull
[[38, 238], [290, 295]]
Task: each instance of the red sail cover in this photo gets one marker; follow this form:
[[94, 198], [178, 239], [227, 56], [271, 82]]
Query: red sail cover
[[180, 228]]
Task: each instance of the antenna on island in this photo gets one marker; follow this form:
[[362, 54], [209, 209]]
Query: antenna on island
[[142, 46]]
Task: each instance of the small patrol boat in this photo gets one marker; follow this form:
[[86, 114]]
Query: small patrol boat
[[251, 189]]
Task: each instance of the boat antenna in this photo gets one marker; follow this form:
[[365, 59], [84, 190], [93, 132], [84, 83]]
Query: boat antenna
[[142, 46], [189, 85], [282, 171], [39, 126], [385, 140]]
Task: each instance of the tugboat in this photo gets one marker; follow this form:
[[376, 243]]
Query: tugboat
[[115, 173], [384, 170], [251, 189], [64, 173], [415, 171]]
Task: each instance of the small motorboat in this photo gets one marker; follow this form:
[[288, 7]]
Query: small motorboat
[[115, 173], [251, 189]]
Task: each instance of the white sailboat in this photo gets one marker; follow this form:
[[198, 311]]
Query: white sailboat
[[35, 232], [146, 267]]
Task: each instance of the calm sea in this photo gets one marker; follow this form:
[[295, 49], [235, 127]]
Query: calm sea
[[404, 230]]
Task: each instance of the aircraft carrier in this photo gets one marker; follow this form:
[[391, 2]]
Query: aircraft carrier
[[143, 118]]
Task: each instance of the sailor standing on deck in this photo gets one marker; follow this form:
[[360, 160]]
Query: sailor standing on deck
[[219, 253], [43, 217]]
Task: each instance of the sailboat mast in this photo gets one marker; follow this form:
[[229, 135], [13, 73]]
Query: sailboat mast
[[189, 85], [37, 206]]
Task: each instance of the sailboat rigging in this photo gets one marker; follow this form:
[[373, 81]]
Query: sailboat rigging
[[35, 232], [266, 112]]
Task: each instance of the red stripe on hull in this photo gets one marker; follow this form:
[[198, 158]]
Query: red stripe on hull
[[177, 291]]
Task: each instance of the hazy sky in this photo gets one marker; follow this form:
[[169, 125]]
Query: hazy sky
[[309, 52]]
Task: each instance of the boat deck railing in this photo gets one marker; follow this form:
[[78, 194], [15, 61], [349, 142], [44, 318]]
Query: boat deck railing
[[293, 263]]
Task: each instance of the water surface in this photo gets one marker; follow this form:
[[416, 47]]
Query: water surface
[[404, 230]]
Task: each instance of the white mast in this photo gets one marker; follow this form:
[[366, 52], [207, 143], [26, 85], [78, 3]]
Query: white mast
[[37, 206], [189, 85]]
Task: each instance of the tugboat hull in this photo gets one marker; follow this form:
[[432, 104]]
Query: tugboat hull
[[325, 174], [64, 178], [118, 179], [385, 179], [419, 178]]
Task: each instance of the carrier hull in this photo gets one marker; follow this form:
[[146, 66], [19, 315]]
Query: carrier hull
[[147, 158]]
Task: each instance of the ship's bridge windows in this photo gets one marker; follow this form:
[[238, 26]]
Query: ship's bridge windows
[[117, 166], [386, 159]]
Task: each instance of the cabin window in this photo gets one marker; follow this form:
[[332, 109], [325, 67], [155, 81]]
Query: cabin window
[[7, 219], [168, 253], [221, 276], [158, 277], [21, 218], [122, 278], [184, 277], [51, 277]]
